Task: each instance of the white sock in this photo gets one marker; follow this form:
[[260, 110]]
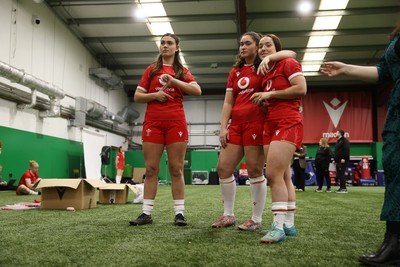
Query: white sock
[[258, 191], [289, 219], [148, 205], [33, 193], [279, 210], [118, 179], [179, 206], [228, 190]]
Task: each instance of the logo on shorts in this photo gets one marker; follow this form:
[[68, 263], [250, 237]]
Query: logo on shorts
[[335, 110], [180, 134], [148, 131], [254, 136], [243, 82], [277, 132]]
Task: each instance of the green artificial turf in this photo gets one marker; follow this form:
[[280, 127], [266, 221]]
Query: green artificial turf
[[333, 230]]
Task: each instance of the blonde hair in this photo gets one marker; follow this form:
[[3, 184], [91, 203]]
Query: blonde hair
[[32, 163], [324, 142]]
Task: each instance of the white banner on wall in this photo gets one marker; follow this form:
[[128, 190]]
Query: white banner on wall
[[92, 144]]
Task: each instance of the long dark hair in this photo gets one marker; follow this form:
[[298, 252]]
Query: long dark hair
[[241, 61], [177, 65]]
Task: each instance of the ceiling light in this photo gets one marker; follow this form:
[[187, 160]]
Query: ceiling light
[[160, 28], [139, 13], [336, 4], [154, 9], [308, 68], [319, 41], [304, 7], [326, 23], [323, 23], [314, 56]]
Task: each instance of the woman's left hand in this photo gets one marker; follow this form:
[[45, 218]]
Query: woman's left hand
[[168, 79]]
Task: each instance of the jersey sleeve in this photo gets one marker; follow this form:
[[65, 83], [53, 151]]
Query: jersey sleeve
[[188, 76], [292, 68], [383, 67], [229, 83], [144, 83]]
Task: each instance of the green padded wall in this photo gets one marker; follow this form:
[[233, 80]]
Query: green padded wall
[[57, 157]]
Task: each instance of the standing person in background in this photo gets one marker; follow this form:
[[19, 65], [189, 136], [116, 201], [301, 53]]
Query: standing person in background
[[162, 87], [29, 180], [388, 69], [3, 184], [284, 85], [341, 158], [119, 164], [322, 160], [243, 136], [299, 167]]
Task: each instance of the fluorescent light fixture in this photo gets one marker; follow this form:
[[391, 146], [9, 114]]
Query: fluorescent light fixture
[[326, 23], [319, 41], [159, 28], [323, 23], [155, 8], [333, 4], [314, 56], [313, 67]]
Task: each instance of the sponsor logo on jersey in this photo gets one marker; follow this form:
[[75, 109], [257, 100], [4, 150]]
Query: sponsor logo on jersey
[[243, 82], [268, 86]]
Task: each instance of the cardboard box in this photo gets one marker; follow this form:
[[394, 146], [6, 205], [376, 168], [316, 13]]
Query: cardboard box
[[115, 193], [138, 175], [63, 193]]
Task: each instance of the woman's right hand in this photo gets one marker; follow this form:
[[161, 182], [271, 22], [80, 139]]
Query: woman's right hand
[[224, 137], [162, 96]]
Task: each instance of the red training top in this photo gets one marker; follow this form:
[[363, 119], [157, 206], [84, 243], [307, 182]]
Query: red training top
[[172, 109]]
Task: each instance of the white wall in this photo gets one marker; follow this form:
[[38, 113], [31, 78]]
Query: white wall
[[50, 52], [203, 110]]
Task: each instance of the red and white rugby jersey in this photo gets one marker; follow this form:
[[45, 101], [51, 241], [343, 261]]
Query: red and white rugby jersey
[[278, 78], [244, 82], [172, 109]]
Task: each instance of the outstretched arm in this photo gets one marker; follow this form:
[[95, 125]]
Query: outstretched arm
[[364, 73]]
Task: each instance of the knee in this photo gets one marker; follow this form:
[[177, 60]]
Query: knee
[[255, 172], [224, 171], [152, 171], [176, 172]]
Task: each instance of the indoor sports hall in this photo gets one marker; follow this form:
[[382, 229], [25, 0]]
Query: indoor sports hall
[[123, 132]]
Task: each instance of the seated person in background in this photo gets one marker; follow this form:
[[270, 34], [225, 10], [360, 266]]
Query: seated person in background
[[4, 185], [29, 180]]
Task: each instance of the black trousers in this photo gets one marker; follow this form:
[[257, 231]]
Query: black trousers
[[340, 169], [300, 175], [322, 173]]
